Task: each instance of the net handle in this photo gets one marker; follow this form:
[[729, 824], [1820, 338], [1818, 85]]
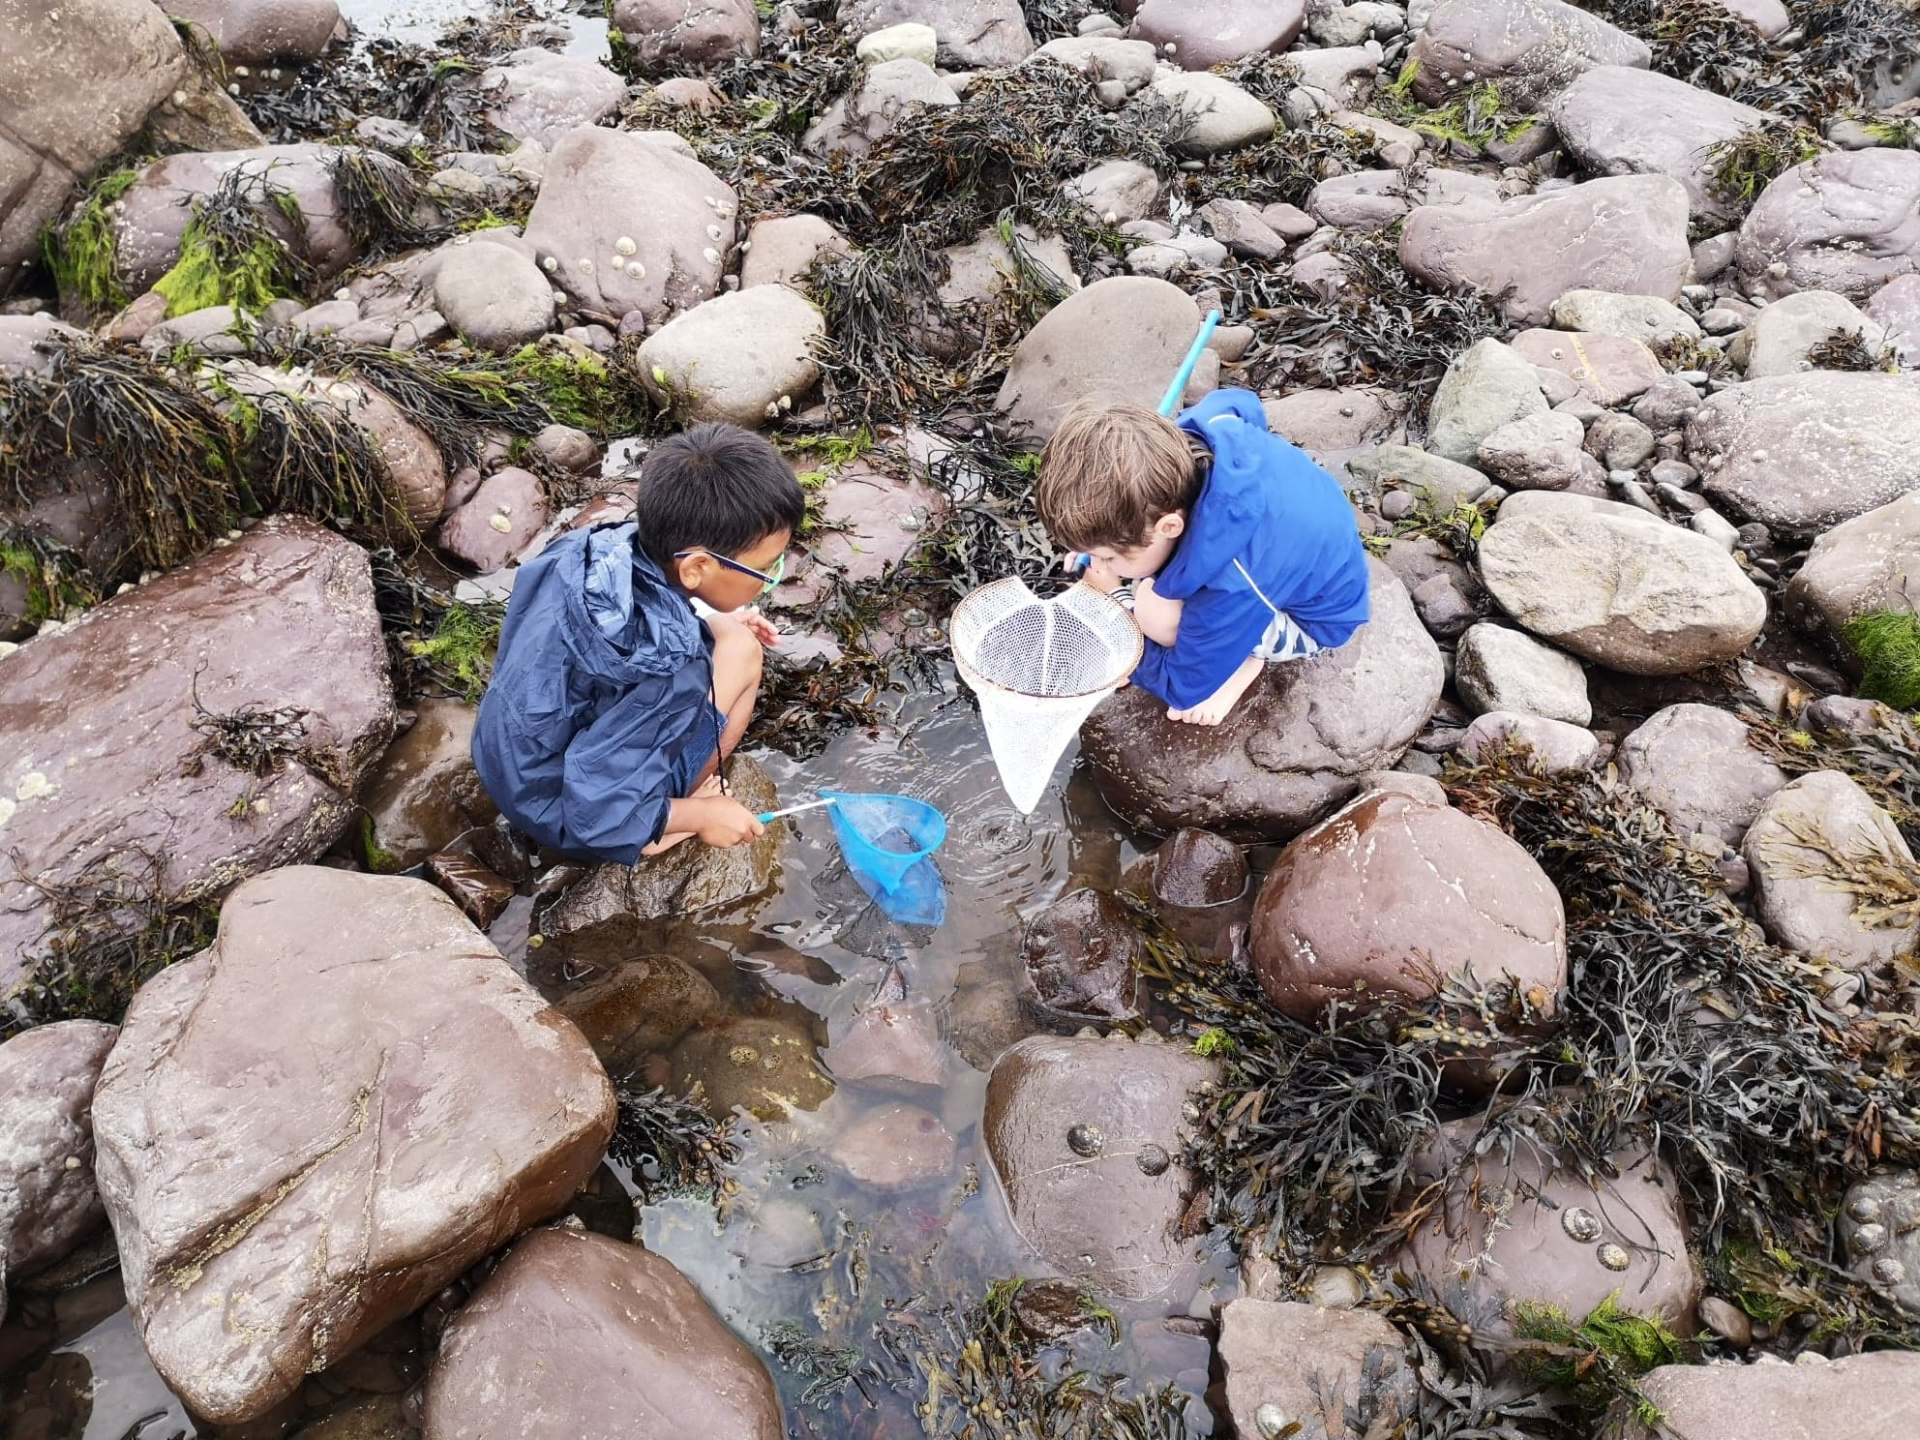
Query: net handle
[[1171, 400]]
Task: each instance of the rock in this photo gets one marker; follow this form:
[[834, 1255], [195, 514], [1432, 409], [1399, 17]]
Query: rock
[[974, 34], [784, 250], [1331, 424], [1196, 868], [293, 1153], [895, 1147], [48, 1203], [576, 1334], [900, 42], [884, 95], [1618, 587], [212, 330], [1772, 1400], [1124, 189], [1769, 17], [1694, 763], [1293, 748], [763, 1066], [1484, 388], [424, 794], [1869, 563], [1539, 452], [1237, 225], [1646, 318], [1200, 34], [328, 318], [890, 1039], [1627, 233], [1311, 1363], [1085, 1137], [1080, 953], [744, 357], [1621, 443], [1847, 222], [667, 35], [258, 32], [99, 721], [1802, 453], [1331, 78], [1443, 483], [1783, 336], [494, 296], [1617, 120], [1555, 746], [603, 187], [1608, 369], [481, 894], [1797, 847], [1172, 257], [567, 448], [1375, 199], [635, 1006], [503, 518], [1497, 668], [869, 523], [1519, 1231], [1220, 115], [1120, 338], [1896, 307], [1530, 48], [1102, 58], [77, 82], [1880, 1231], [686, 880], [1448, 895], [540, 96]]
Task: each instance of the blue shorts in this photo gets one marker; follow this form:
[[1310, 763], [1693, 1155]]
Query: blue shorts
[[695, 749]]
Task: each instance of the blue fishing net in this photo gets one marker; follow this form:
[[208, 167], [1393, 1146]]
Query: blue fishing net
[[888, 843]]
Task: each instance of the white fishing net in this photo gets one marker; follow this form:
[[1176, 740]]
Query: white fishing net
[[1039, 667]]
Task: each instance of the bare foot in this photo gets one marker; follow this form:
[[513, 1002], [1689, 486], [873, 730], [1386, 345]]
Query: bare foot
[[1217, 706], [707, 787]]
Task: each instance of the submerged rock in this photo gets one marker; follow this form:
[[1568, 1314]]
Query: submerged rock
[[1080, 954], [1291, 750], [667, 36], [1847, 222], [763, 1065], [895, 1147], [1079, 1132], [424, 793], [637, 1007], [972, 34], [746, 357], [1311, 1363], [1695, 764], [1530, 48], [311, 1128], [579, 1335], [100, 720], [1878, 1394], [1869, 563]]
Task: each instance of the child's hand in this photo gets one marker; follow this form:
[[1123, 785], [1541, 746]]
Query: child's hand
[[725, 822], [1101, 575], [761, 628]]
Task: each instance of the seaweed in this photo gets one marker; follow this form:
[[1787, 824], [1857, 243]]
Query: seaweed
[[457, 658], [252, 739], [1845, 349], [1285, 167], [1476, 118], [1745, 165], [381, 202], [82, 249], [1606, 1353], [1883, 761], [231, 252], [827, 1368], [671, 1144], [586, 391], [1887, 645], [53, 574], [1058, 19]]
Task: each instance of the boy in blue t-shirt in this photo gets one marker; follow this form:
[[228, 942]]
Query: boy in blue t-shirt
[[1242, 549]]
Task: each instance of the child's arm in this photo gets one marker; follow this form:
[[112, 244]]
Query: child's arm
[[717, 820]]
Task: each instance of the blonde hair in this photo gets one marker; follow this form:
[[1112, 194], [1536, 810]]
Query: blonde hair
[[1109, 472]]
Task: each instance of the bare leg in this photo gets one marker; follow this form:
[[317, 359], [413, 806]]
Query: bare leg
[[737, 661], [1157, 616], [1214, 709]]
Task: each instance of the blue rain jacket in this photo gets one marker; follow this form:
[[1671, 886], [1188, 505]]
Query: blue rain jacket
[[600, 710], [1270, 532]]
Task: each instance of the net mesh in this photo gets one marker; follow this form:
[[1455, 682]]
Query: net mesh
[[1039, 667]]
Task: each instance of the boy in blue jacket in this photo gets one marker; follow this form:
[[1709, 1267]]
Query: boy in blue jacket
[[613, 703], [1242, 550]]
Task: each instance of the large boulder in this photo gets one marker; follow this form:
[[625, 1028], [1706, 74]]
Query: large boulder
[[747, 356], [109, 781], [671, 36], [1119, 339], [884, 95], [1616, 120], [1847, 222], [1801, 453], [308, 1130], [1085, 1139], [1878, 1394], [1081, 954], [579, 1335], [1199, 34], [1486, 387], [1785, 337], [972, 34], [1499, 668], [1870, 563], [492, 295], [77, 81], [1445, 896], [539, 96], [1811, 850], [257, 32], [1295, 746], [424, 794], [1517, 1230], [627, 220], [1617, 586], [1312, 1364], [48, 1203], [1626, 233], [1529, 48], [1695, 764]]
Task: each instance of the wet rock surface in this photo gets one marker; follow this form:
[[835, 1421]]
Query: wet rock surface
[[1309, 1364], [286, 1175], [635, 1006], [1196, 868], [1867, 564], [896, 1147], [765, 1066], [580, 1335], [424, 793], [665, 36], [1080, 954]]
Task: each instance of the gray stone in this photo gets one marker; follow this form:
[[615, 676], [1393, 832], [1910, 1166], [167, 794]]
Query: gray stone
[[1694, 763], [1331, 424], [744, 357], [908, 41], [1116, 191], [1626, 233], [1555, 746], [1880, 1232], [884, 95], [1375, 199], [783, 250], [495, 297], [540, 96], [1646, 318], [1220, 116], [216, 330], [1311, 1363], [1173, 257], [1666, 404], [1103, 58], [258, 32], [1238, 226], [328, 318], [1609, 370], [974, 34], [1443, 484], [287, 1144], [1879, 1394], [1199, 34], [1620, 442], [1870, 563], [1782, 336], [568, 448], [667, 36], [1847, 222], [1896, 307], [1530, 48], [1498, 668], [1618, 587], [1801, 453], [1537, 452], [1796, 847], [1445, 605], [1484, 388]]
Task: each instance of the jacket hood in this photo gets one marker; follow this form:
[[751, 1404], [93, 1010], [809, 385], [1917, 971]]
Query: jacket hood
[[623, 621], [1233, 425]]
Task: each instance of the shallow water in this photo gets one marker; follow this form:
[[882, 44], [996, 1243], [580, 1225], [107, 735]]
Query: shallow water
[[420, 22], [812, 950]]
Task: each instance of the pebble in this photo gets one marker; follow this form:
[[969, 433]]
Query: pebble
[[1396, 505], [1727, 1321]]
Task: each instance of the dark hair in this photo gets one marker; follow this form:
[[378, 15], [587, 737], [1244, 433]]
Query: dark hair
[[713, 487]]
